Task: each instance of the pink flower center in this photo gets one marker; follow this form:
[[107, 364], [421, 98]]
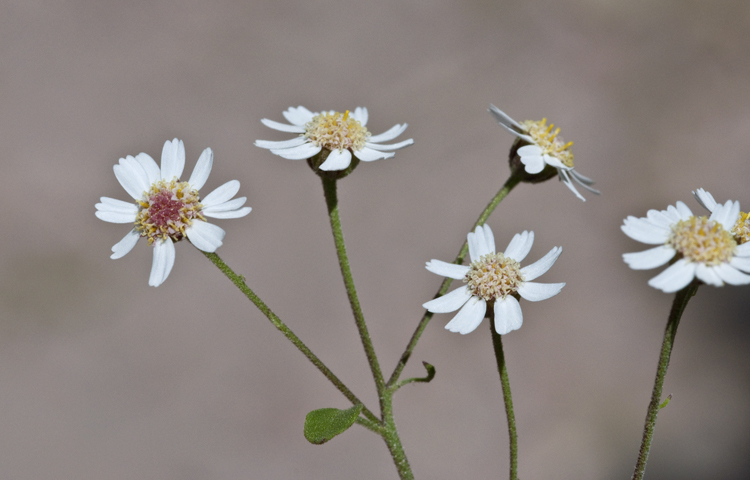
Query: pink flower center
[[167, 209]]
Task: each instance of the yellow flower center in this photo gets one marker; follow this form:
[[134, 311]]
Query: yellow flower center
[[741, 229], [494, 276], [547, 139], [702, 240], [166, 210], [336, 131]]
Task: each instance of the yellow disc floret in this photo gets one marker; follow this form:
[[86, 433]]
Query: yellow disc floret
[[545, 136], [741, 229], [494, 276], [336, 131], [702, 240], [166, 210]]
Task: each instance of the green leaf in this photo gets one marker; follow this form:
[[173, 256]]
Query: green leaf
[[665, 402], [323, 424]]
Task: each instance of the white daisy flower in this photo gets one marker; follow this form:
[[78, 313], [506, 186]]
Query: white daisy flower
[[703, 246], [544, 148], [166, 210], [496, 278], [342, 134], [740, 230]]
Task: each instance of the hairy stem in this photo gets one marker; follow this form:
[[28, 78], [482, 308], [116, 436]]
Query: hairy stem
[[497, 344]]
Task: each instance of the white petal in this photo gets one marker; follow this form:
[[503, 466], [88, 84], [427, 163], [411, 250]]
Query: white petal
[[239, 213], [449, 302], [135, 168], [294, 142], [674, 278], [469, 317], [536, 292], [741, 263], [125, 245], [508, 315], [726, 214], [115, 217], [226, 206], [489, 238], [555, 162], [395, 146], [660, 219], [540, 267], [533, 164], [370, 155], [205, 236], [389, 134], [672, 213], [705, 199], [202, 169], [113, 205], [522, 136], [566, 181], [360, 114], [582, 179], [129, 181], [306, 150], [652, 258], [644, 231], [502, 117], [475, 250], [575, 176], [149, 166], [172, 159], [282, 127], [731, 275], [450, 270], [337, 160], [684, 210], [520, 246], [163, 262], [481, 242], [743, 250], [298, 116], [708, 275], [221, 194]]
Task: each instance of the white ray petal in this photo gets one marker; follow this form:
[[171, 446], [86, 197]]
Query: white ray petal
[[294, 142], [205, 236], [520, 246], [708, 275], [541, 266], [149, 166], [469, 317], [536, 292], [743, 250], [726, 214], [298, 116], [705, 199], [163, 262], [651, 258], [113, 205], [202, 169], [129, 181], [481, 242], [116, 217], [221, 194], [449, 302], [282, 127], [675, 277], [172, 159], [225, 206], [508, 315], [741, 263], [683, 210], [582, 179], [389, 134], [301, 152], [659, 218], [367, 154], [360, 114], [565, 179], [239, 213], [502, 117], [337, 160], [731, 275], [450, 270], [643, 231], [395, 146], [489, 238], [121, 248]]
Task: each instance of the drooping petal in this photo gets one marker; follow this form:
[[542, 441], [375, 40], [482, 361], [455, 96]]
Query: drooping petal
[[705, 199], [536, 292], [675, 277], [731, 275], [522, 136], [149, 166], [202, 169], [565, 179], [520, 246], [643, 231], [540, 267], [708, 275], [172, 159], [221, 194], [389, 134], [469, 317], [360, 114], [395, 146], [121, 248], [579, 179], [301, 152], [502, 118], [282, 127], [450, 270], [294, 142], [239, 213], [205, 236], [449, 302], [369, 155], [298, 116], [337, 160], [555, 162], [652, 258], [508, 315], [163, 262]]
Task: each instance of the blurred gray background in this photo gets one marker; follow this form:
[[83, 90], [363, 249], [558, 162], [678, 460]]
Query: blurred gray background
[[103, 377]]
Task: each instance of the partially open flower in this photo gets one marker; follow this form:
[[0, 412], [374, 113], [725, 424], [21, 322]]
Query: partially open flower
[[494, 279], [542, 152], [741, 228], [166, 209], [703, 246], [334, 135]]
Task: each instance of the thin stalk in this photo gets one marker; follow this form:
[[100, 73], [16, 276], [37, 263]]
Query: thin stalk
[[392, 440], [678, 306], [497, 344], [239, 282], [512, 181]]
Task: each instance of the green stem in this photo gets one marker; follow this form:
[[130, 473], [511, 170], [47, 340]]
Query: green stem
[[497, 344], [678, 306], [239, 282], [512, 181], [389, 433]]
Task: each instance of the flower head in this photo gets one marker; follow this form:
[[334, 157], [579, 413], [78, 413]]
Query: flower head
[[337, 135], [703, 246], [166, 209], [493, 278], [542, 148], [741, 228]]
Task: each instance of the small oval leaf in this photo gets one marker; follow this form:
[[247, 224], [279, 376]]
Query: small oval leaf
[[323, 424]]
